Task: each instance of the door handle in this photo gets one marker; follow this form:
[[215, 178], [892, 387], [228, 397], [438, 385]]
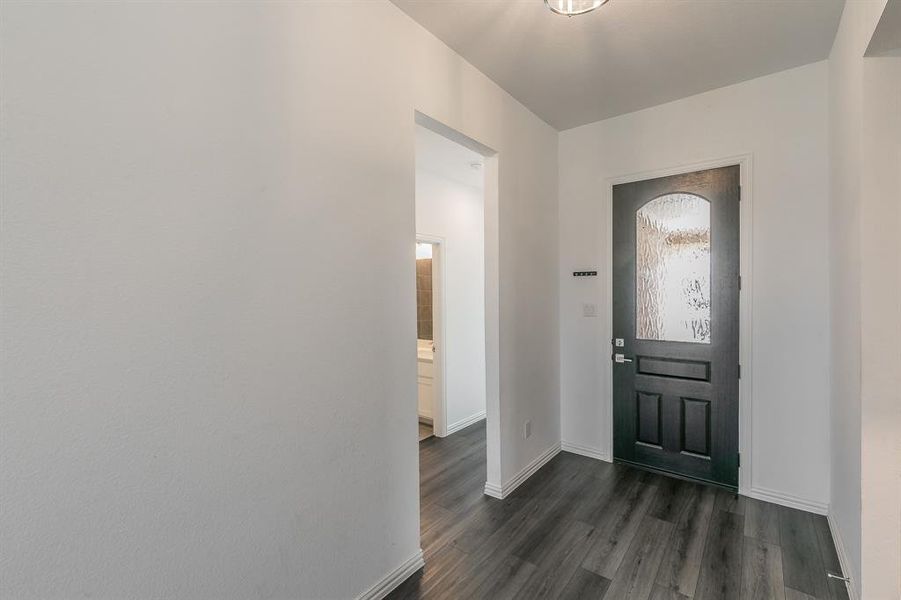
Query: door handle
[[621, 358]]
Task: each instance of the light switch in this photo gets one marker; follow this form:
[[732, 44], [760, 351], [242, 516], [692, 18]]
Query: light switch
[[589, 310]]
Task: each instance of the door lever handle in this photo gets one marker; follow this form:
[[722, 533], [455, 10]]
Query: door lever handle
[[621, 358]]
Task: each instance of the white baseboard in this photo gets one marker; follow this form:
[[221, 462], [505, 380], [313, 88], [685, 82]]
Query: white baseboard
[[505, 489], [783, 499], [585, 451], [843, 559], [463, 423], [386, 584], [495, 491], [759, 493]]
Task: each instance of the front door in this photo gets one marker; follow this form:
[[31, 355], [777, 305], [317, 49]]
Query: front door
[[675, 324]]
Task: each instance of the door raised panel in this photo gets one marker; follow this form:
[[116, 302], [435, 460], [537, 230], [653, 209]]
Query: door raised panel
[[669, 367], [649, 418], [696, 426]]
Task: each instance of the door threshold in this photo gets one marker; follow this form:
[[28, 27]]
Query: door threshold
[[665, 473]]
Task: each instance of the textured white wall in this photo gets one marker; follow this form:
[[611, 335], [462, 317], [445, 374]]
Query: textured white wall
[[455, 212], [845, 105], [845, 108], [880, 348], [182, 300], [865, 126], [781, 120]]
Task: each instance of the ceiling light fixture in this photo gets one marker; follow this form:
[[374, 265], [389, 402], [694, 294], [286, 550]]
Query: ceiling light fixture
[[571, 8]]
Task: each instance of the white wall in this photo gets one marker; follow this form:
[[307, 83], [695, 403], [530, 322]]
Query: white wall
[[880, 352], [865, 159], [455, 212], [781, 120], [182, 300], [845, 105]]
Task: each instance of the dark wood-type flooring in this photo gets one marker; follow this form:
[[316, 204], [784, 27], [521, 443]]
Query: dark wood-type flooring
[[582, 528]]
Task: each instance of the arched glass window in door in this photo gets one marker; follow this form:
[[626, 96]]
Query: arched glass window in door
[[673, 269]]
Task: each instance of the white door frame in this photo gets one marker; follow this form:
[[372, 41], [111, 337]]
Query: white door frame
[[439, 402], [745, 352]]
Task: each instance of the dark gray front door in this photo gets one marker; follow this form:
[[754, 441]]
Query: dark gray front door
[[675, 324]]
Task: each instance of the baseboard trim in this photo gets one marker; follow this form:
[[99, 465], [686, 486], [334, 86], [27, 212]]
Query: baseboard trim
[[501, 492], [386, 584], [464, 423], [783, 499], [495, 491], [843, 559], [585, 451]]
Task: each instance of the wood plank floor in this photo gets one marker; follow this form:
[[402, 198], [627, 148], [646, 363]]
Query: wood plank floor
[[582, 528]]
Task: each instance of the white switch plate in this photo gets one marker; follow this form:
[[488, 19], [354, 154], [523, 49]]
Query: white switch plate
[[589, 310], [526, 430]]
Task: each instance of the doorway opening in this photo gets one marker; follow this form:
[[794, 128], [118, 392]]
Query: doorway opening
[[456, 232], [429, 329], [450, 284]]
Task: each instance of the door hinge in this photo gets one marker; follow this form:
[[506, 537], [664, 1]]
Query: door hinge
[[739, 282], [739, 459], [739, 371]]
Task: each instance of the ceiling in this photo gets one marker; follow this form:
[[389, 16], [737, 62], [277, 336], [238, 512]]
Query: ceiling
[[628, 54], [886, 40], [441, 156]]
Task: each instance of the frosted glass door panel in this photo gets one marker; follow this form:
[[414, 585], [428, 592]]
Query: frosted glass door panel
[[673, 269]]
